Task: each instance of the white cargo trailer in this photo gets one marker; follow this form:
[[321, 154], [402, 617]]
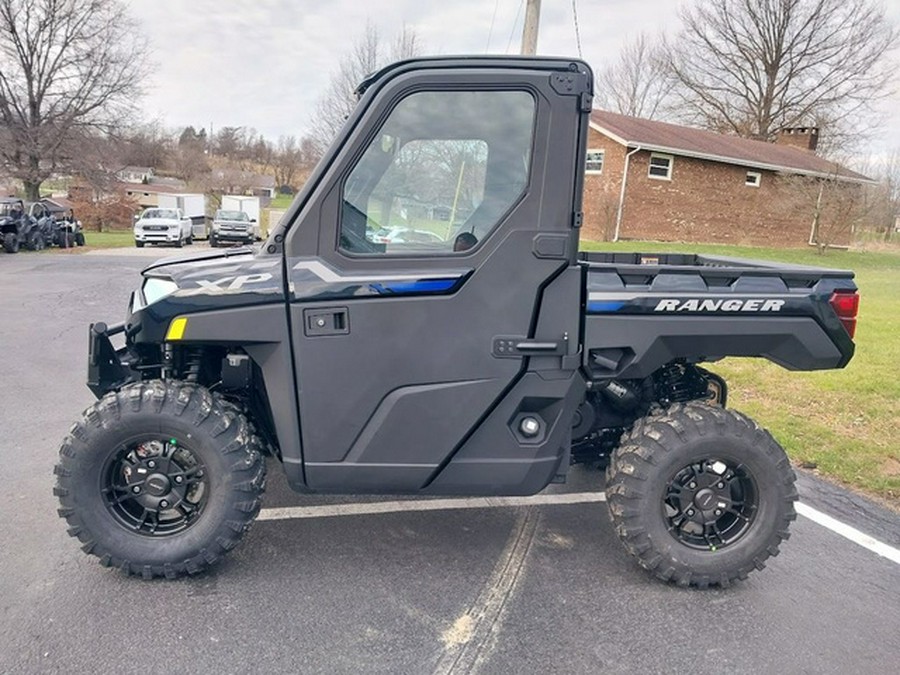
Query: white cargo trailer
[[193, 206]]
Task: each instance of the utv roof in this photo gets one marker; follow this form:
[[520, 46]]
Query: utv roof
[[524, 62], [10, 200]]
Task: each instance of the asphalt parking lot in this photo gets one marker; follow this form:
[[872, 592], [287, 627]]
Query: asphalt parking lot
[[349, 585]]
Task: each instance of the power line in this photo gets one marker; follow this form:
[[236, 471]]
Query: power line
[[487, 47], [577, 31], [515, 22]]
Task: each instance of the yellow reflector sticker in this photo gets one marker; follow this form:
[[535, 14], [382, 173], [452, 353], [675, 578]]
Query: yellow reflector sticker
[[176, 328]]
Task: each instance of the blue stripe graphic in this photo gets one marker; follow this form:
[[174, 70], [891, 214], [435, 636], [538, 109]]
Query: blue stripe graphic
[[598, 306], [422, 286]]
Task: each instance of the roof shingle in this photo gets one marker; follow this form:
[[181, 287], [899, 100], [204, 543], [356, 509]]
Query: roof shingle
[[690, 142]]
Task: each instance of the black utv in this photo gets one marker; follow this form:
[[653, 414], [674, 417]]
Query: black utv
[[18, 228], [483, 360], [68, 231]]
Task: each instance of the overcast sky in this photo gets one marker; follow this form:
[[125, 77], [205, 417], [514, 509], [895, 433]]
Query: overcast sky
[[263, 63]]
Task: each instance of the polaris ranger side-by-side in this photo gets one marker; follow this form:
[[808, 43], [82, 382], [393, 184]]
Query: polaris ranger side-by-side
[[484, 361]]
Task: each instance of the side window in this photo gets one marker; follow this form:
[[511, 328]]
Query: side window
[[594, 161], [440, 175], [660, 166]]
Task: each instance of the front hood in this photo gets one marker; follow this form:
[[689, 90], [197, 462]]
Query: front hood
[[176, 263], [210, 281], [167, 222]]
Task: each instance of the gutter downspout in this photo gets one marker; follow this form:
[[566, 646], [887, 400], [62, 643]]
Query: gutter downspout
[[622, 193]]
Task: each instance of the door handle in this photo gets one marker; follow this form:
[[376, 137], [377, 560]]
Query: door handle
[[326, 321], [513, 346]]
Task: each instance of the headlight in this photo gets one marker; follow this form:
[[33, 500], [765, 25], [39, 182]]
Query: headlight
[[153, 290]]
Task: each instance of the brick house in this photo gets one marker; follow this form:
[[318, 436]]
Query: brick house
[[657, 181]]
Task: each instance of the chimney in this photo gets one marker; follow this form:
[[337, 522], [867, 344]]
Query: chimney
[[805, 138]]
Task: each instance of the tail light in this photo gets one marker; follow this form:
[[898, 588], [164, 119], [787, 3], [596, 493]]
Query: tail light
[[846, 305]]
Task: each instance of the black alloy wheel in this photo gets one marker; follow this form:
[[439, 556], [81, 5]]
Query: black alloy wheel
[[155, 486], [709, 505]]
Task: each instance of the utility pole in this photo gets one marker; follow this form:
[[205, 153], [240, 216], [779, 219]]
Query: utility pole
[[530, 29]]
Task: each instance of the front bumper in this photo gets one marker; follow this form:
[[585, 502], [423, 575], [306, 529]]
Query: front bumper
[[233, 235], [157, 236], [106, 367]]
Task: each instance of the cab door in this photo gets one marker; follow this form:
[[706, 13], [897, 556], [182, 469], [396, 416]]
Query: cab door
[[418, 274]]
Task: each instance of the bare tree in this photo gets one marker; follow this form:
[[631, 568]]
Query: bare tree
[[885, 196], [835, 207], [637, 83], [69, 71], [366, 55], [291, 159], [753, 67]]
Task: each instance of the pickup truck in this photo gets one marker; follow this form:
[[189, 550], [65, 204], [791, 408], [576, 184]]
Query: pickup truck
[[163, 226], [232, 227], [486, 362]]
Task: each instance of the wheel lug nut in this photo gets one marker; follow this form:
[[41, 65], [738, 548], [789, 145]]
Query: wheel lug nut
[[179, 479], [151, 464], [718, 512], [692, 485], [720, 485], [136, 489], [164, 504], [690, 512]]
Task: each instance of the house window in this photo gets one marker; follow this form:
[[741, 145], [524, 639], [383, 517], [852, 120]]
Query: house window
[[594, 162], [753, 178], [660, 167]]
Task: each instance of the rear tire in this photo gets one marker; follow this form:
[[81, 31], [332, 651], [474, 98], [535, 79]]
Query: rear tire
[[79, 239], [700, 495], [160, 479]]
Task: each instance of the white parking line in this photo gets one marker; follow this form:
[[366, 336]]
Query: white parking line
[[851, 533], [372, 508]]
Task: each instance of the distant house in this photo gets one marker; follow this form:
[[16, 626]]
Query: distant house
[[147, 196], [234, 181], [58, 205], [142, 195], [135, 174], [665, 182]]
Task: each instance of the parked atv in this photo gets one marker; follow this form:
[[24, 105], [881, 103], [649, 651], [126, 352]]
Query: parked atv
[[43, 233], [68, 231], [17, 228]]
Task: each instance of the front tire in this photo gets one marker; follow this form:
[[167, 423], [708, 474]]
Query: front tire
[[79, 239], [10, 243], [700, 495], [160, 479], [139, 244]]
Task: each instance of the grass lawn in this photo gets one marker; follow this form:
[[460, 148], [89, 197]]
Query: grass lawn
[[846, 423], [94, 240], [281, 201]]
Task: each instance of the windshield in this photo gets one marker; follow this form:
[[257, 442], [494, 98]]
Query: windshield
[[232, 215], [7, 208], [160, 214]]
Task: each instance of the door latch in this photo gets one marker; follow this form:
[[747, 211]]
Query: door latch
[[326, 321]]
